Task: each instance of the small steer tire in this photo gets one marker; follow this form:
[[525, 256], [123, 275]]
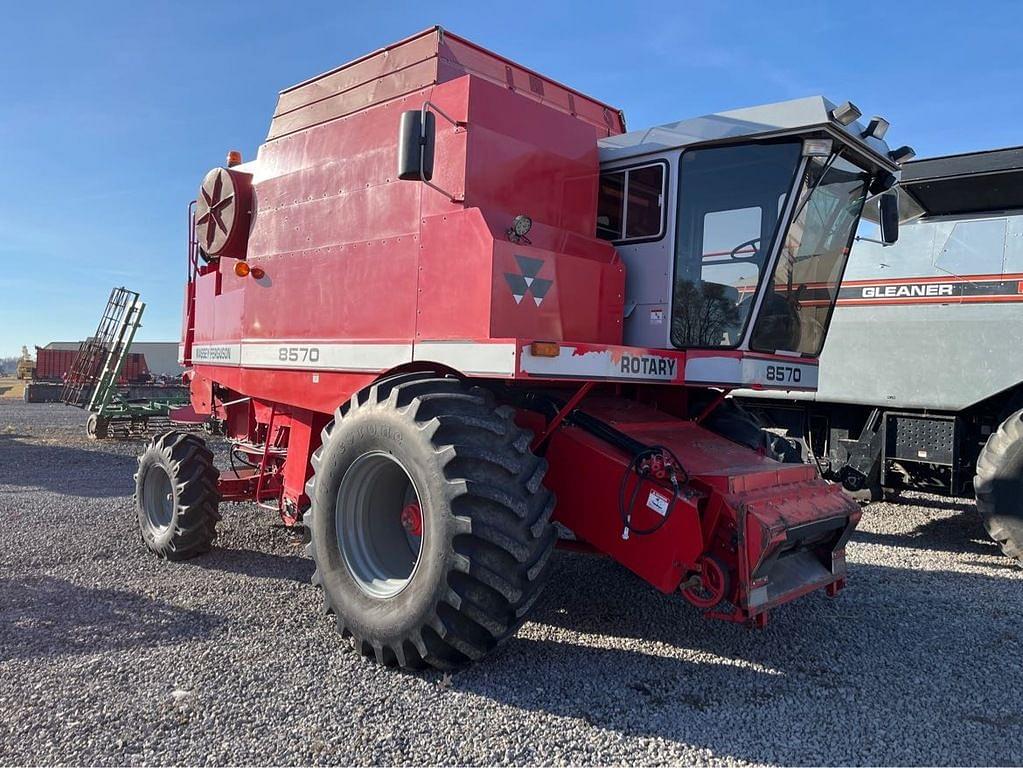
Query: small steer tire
[[96, 427], [444, 522], [998, 485], [176, 496]]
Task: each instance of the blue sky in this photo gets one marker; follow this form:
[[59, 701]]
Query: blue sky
[[111, 112]]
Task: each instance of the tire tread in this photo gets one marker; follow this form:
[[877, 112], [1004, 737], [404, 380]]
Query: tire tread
[[494, 486]]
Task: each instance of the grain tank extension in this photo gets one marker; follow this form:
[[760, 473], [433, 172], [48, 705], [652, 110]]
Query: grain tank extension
[[453, 314]]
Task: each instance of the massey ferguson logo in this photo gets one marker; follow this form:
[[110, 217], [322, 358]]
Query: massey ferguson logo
[[908, 291], [526, 283]]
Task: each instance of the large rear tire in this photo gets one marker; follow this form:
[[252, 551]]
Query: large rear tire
[[176, 497], [998, 485], [429, 525]]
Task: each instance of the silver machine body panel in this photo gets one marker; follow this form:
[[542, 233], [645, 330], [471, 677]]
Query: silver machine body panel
[[935, 321]]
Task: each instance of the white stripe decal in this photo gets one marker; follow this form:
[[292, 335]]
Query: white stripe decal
[[325, 357], [304, 355], [496, 359], [776, 374], [464, 356], [714, 370], [618, 364]]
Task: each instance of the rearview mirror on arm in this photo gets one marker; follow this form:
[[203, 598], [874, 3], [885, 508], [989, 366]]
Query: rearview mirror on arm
[[416, 137], [889, 217]]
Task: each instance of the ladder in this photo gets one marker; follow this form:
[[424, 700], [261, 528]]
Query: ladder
[[92, 379]]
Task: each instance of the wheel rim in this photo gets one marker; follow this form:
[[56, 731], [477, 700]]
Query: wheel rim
[[713, 585], [158, 493], [375, 519]]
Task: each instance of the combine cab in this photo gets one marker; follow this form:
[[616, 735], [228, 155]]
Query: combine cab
[[453, 314]]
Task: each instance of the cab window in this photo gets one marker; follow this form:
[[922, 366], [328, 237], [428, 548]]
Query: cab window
[[630, 204], [729, 204]]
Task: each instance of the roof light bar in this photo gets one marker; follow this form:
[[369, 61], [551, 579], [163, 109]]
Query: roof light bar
[[817, 147], [846, 113], [902, 154], [876, 128]]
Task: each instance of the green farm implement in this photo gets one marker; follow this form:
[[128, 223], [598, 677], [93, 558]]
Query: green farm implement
[[92, 383]]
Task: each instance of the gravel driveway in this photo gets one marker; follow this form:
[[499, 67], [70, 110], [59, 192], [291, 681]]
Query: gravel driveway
[[109, 656]]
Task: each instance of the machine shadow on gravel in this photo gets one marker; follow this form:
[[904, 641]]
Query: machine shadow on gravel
[[959, 533], [250, 562], [858, 643], [48, 617], [605, 600], [64, 470]]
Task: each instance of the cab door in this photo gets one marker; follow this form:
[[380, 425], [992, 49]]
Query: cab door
[[634, 211]]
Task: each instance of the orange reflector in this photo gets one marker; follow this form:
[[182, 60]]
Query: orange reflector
[[234, 157], [544, 349], [241, 269]]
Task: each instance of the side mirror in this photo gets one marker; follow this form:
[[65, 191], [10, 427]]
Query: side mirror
[[889, 218], [416, 135]]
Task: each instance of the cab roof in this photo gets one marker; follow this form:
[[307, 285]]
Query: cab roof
[[764, 120]]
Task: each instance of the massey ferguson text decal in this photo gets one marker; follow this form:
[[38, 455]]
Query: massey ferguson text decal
[[224, 354]]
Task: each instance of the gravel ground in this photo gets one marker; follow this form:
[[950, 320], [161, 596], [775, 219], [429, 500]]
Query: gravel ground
[[109, 656]]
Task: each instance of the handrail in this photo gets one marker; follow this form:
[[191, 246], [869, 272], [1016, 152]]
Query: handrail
[[193, 244]]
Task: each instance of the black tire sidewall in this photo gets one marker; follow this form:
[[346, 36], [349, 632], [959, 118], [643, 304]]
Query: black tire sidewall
[[1007, 490], [379, 427], [156, 539]]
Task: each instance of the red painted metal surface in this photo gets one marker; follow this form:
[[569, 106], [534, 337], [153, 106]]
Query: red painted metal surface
[[778, 529], [364, 275], [430, 57]]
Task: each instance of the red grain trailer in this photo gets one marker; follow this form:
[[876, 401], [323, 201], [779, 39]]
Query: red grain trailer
[[404, 319], [54, 365]]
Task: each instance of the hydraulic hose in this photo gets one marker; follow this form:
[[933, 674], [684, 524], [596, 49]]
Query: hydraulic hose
[[655, 463]]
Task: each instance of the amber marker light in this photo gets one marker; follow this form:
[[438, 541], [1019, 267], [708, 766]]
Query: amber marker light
[[544, 349], [234, 157], [257, 273], [241, 269]]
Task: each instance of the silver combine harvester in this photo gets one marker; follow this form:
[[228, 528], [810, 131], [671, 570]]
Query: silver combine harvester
[[922, 375]]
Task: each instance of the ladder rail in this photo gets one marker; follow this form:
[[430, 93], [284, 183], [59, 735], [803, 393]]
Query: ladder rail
[[89, 378], [106, 386]]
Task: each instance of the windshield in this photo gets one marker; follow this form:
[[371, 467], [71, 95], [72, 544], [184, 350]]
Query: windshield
[[801, 293], [729, 204]]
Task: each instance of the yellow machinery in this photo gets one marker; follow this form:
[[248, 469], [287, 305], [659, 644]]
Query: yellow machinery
[[26, 365]]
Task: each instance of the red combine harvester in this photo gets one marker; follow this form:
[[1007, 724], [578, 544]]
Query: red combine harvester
[[453, 314]]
